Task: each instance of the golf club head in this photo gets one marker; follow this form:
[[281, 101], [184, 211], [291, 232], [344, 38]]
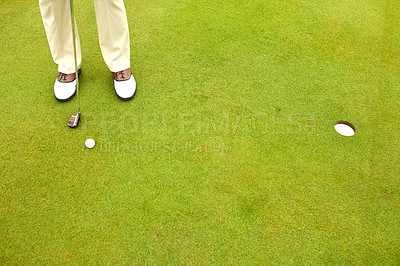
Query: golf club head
[[74, 120]]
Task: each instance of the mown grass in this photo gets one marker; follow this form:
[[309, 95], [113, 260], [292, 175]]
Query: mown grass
[[226, 155]]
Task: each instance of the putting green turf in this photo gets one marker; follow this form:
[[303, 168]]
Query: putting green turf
[[227, 154]]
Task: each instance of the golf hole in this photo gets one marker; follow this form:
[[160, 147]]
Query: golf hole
[[345, 128]]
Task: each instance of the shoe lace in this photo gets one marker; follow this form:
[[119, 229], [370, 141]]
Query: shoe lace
[[121, 74], [62, 76]]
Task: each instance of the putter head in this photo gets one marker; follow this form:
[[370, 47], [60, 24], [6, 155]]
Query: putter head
[[74, 120]]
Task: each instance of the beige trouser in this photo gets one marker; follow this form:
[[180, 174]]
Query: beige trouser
[[112, 26]]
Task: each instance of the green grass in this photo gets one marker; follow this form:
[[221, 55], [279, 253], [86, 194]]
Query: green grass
[[227, 154]]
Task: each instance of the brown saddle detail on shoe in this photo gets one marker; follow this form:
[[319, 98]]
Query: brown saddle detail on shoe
[[62, 77], [122, 75]]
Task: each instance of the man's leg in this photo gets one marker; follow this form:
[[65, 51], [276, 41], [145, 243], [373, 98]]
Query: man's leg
[[56, 17], [113, 30]]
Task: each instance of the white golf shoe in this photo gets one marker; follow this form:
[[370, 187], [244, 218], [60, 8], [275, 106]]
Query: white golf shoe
[[124, 84], [65, 86]]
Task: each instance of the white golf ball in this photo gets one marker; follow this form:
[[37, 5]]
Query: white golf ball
[[90, 143]]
